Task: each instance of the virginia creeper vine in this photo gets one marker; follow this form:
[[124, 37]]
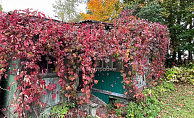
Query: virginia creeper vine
[[27, 35]]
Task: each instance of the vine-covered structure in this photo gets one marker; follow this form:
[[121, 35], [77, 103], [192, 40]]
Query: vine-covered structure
[[83, 56]]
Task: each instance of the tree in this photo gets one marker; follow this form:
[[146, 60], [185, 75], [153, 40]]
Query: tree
[[1, 8], [152, 11], [178, 17], [103, 10], [66, 10]]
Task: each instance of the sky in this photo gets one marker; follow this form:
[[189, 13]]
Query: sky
[[44, 6]]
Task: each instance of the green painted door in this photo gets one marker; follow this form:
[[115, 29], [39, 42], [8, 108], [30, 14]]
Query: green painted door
[[108, 81]]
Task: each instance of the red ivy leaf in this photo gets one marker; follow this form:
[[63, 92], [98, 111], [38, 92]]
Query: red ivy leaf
[[54, 96], [8, 88]]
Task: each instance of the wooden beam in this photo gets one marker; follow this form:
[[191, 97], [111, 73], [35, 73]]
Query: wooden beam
[[109, 93]]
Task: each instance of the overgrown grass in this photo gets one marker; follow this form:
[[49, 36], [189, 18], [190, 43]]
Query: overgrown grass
[[179, 103]]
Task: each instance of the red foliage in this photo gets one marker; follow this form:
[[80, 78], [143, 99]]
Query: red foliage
[[29, 35]]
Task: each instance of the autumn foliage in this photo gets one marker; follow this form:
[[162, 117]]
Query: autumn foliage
[[29, 35], [103, 10]]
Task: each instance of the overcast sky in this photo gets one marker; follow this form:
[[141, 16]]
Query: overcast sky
[[44, 6]]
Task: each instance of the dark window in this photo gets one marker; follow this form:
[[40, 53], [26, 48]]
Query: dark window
[[47, 64]]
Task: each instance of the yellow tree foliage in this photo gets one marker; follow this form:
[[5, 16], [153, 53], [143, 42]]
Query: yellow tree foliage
[[103, 10]]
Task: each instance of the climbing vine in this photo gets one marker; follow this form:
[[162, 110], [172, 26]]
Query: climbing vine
[[28, 35]]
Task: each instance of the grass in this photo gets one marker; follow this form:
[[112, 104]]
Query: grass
[[178, 104]]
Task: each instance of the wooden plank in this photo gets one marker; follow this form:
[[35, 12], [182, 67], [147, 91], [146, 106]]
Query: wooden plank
[[48, 75], [109, 93]]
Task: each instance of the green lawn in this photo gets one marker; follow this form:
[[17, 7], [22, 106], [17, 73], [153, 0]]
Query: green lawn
[[178, 104]]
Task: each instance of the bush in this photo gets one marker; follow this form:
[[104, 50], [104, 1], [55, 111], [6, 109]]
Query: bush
[[150, 105], [181, 74]]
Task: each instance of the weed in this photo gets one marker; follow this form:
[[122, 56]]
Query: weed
[[61, 110]]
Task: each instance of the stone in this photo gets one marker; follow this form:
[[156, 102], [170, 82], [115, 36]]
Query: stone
[[92, 109]]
